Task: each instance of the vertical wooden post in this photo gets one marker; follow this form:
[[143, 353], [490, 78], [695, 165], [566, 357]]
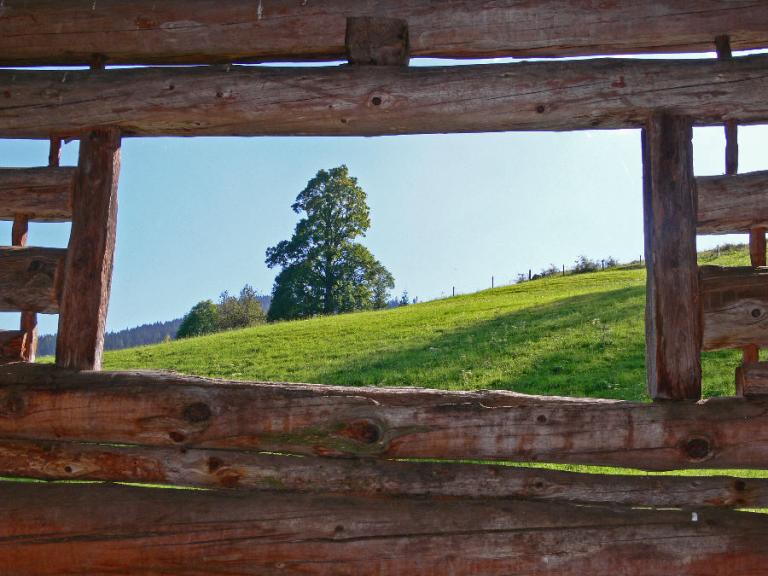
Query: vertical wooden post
[[673, 316], [88, 268]]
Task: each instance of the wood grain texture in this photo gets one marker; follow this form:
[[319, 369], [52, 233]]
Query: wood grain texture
[[42, 194], [227, 469], [732, 204], [99, 530], [372, 100], [752, 379], [34, 32], [90, 254], [377, 41], [734, 303], [157, 409], [30, 279], [12, 344], [672, 318]]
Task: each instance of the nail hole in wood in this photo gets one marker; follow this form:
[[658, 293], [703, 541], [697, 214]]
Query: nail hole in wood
[[376, 101]]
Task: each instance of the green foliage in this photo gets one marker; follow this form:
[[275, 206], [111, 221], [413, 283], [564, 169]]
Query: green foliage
[[574, 335], [240, 311], [202, 319], [323, 270]]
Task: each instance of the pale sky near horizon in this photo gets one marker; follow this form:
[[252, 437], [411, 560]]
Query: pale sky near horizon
[[196, 215]]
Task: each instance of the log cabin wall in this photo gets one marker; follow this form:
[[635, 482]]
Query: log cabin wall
[[307, 479]]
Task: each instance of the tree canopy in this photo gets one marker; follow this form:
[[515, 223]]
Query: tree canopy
[[323, 270]]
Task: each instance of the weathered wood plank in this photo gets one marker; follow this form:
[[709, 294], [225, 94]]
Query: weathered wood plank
[[228, 469], [88, 272], [752, 379], [30, 279], [38, 32], [734, 303], [672, 317], [377, 41], [98, 530], [732, 204], [42, 194], [371, 100], [11, 346], [156, 409]]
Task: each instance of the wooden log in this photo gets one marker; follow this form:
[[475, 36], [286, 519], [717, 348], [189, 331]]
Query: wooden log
[[28, 341], [43, 194], [11, 346], [30, 279], [157, 409], [732, 204], [226, 469], [372, 100], [377, 41], [98, 530], [672, 318], [734, 303], [203, 31], [88, 277], [752, 379]]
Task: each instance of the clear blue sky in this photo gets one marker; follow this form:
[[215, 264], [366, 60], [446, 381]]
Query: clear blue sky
[[196, 215]]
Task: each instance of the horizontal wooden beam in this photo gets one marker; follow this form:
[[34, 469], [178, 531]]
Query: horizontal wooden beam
[[752, 379], [202, 31], [30, 279], [734, 302], [372, 100], [732, 203], [50, 460], [159, 409], [41, 194], [12, 346], [92, 529]]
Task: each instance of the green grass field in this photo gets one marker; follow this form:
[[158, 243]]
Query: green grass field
[[577, 335]]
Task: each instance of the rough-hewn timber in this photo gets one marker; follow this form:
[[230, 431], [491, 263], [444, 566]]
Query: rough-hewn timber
[[47, 460], [732, 203], [42, 194], [752, 379], [157, 409], [30, 279], [11, 346], [88, 273], [373, 100], [734, 303], [99, 530], [672, 318], [35, 32]]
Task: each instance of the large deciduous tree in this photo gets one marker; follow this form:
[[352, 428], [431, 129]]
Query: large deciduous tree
[[323, 270]]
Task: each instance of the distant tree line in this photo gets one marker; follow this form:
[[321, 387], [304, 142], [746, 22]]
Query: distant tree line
[[139, 336]]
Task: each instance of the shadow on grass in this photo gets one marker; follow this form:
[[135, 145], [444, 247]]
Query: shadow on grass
[[586, 345]]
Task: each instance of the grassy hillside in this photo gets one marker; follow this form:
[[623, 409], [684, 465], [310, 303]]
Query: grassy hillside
[[578, 335]]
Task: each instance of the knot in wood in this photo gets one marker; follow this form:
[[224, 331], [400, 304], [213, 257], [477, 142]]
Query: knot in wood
[[197, 412], [698, 449], [364, 431]]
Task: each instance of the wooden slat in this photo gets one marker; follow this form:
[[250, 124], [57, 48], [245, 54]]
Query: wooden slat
[[11, 346], [732, 204], [204, 31], [672, 318], [734, 302], [377, 41], [42, 194], [156, 409], [752, 379], [229, 469], [30, 279], [99, 530], [365, 100], [90, 254]]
